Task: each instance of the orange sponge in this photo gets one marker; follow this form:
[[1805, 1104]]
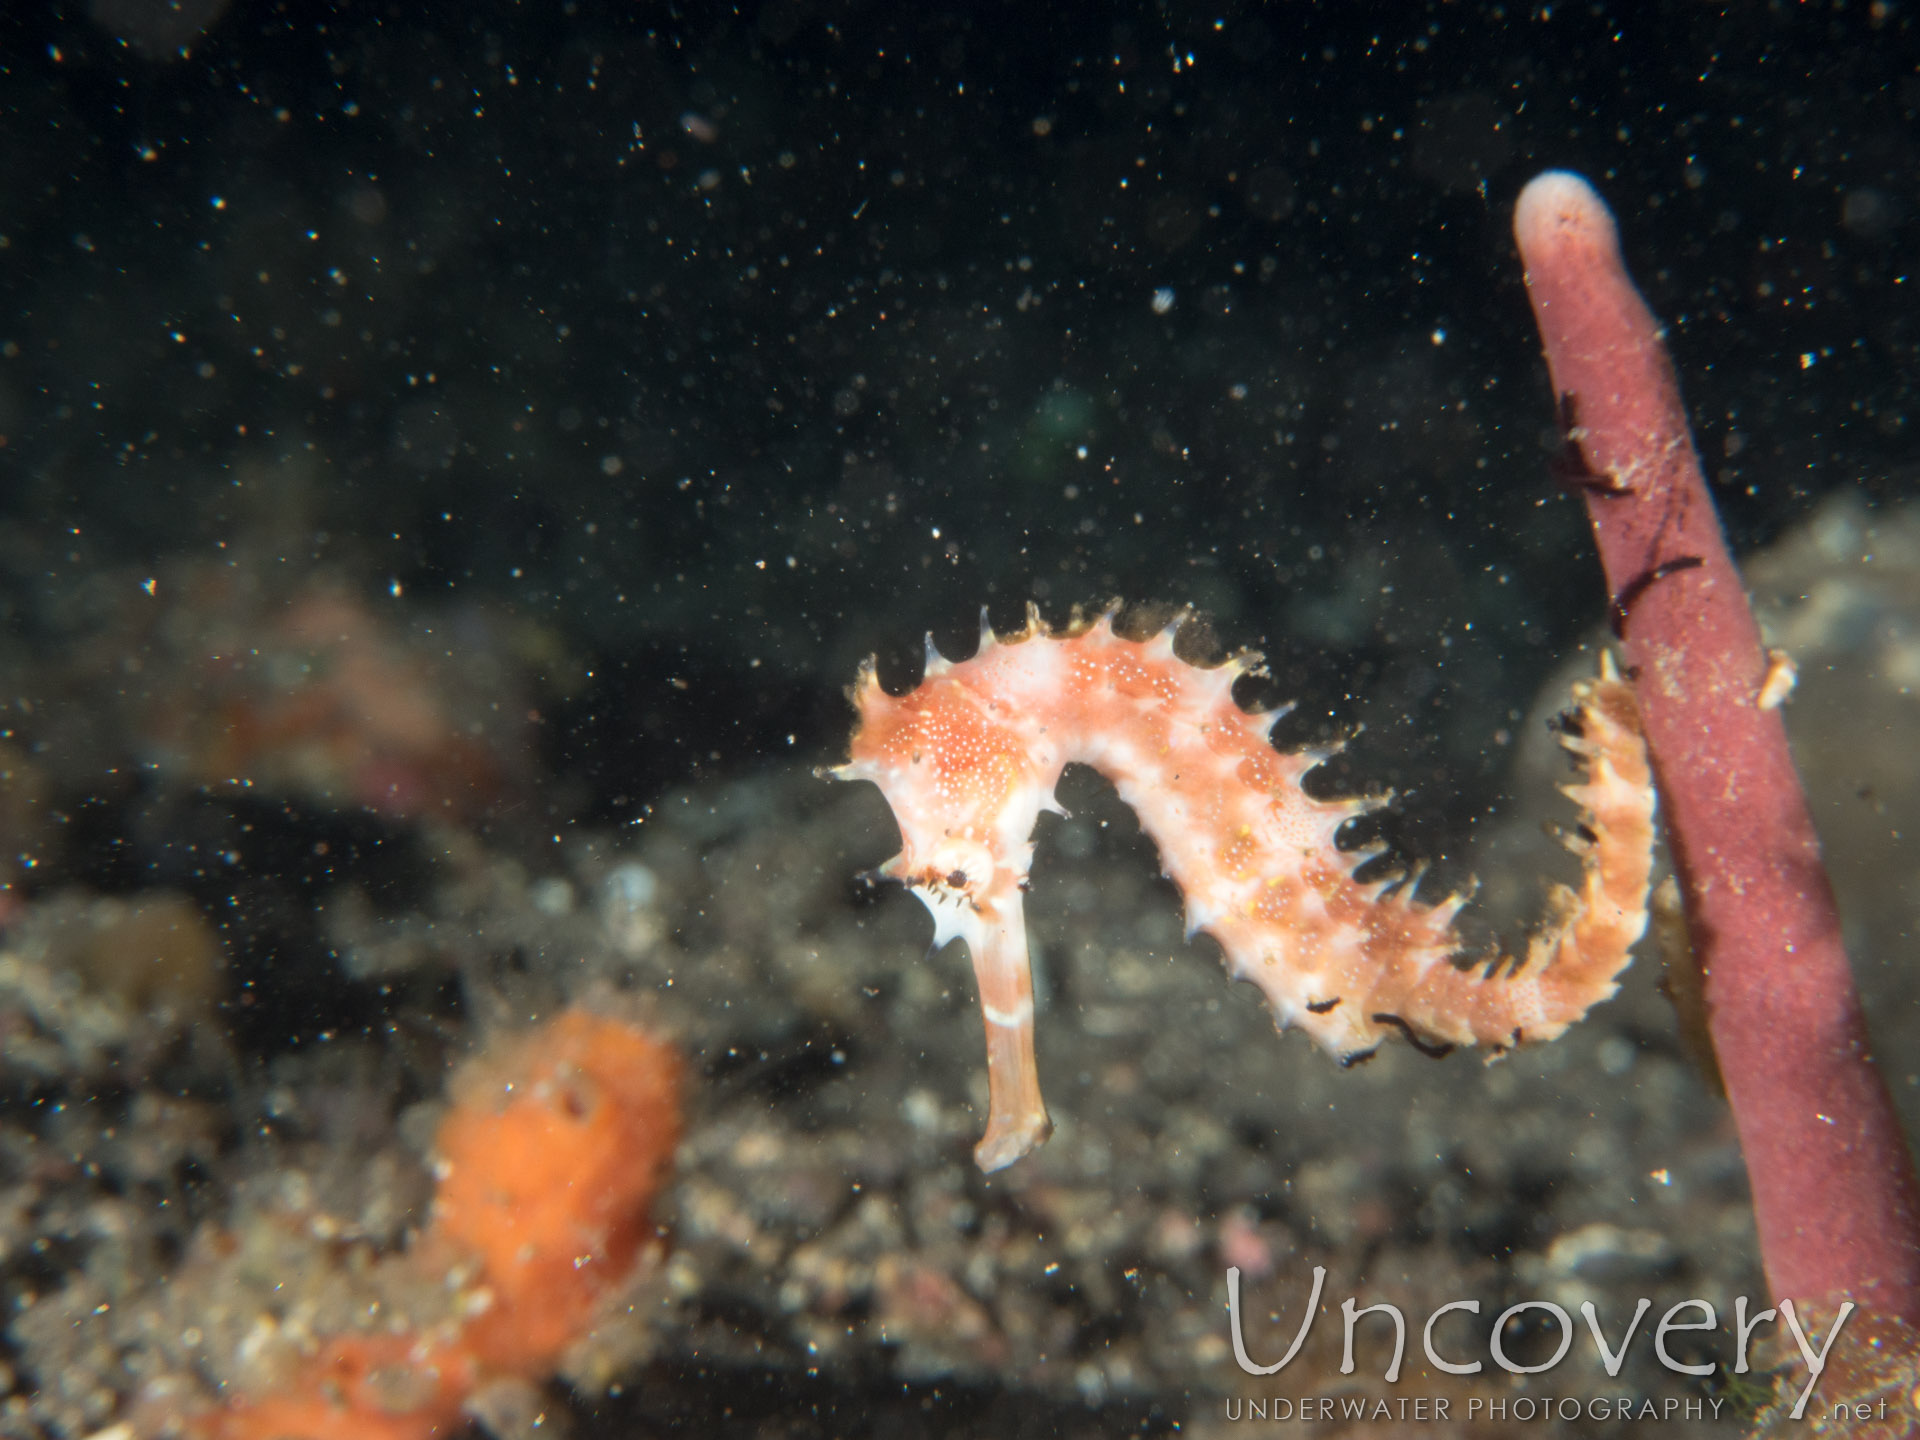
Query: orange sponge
[[549, 1158], [361, 1387]]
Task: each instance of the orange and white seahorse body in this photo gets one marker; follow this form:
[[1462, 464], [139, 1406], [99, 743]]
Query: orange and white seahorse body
[[970, 758]]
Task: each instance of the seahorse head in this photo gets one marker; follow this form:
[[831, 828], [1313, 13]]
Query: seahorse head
[[963, 785]]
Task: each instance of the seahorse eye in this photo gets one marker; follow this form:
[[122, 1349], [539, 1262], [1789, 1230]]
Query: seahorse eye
[[959, 865]]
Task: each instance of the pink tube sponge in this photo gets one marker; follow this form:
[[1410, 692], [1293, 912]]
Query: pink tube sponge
[[1833, 1187]]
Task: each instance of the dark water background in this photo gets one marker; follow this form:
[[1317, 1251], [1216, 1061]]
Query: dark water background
[[773, 334]]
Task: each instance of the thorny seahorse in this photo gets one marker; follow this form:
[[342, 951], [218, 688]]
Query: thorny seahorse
[[969, 759]]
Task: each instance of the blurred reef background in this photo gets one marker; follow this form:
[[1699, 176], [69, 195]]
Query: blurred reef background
[[452, 458]]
